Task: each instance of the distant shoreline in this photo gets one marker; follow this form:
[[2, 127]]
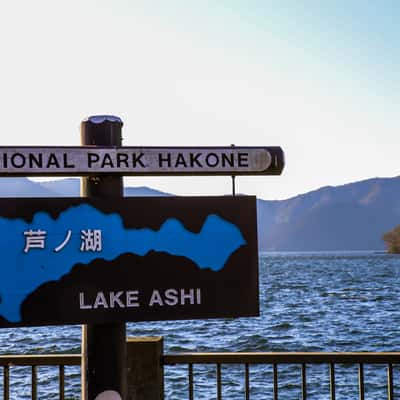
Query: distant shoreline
[[324, 252]]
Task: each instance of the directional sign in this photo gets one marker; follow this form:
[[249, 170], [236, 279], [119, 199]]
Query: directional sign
[[71, 161], [82, 260]]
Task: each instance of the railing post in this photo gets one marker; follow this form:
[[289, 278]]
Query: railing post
[[6, 382], [145, 374], [103, 345], [34, 382]]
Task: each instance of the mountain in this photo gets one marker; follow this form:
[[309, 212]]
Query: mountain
[[348, 217], [23, 187]]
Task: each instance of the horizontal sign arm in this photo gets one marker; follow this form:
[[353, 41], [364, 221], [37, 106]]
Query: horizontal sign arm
[[87, 160]]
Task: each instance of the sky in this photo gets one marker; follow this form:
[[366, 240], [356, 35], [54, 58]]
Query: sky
[[318, 78]]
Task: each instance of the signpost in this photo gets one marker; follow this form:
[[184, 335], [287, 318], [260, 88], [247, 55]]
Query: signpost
[[104, 350], [103, 260]]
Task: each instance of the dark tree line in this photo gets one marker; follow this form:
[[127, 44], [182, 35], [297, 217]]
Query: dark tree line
[[392, 240]]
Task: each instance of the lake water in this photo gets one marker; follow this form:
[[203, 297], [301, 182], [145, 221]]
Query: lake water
[[309, 302]]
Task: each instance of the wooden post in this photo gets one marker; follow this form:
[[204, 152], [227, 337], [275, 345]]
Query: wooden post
[[145, 375], [103, 345]]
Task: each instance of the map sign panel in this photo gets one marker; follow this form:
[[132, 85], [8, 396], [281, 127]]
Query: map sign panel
[[87, 160], [82, 260]]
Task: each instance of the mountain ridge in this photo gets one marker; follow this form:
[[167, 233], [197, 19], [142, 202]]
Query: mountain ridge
[[352, 216]]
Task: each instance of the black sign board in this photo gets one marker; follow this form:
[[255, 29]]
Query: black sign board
[[85, 260]]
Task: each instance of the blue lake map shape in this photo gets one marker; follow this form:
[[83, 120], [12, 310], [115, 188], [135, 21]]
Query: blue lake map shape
[[21, 272]]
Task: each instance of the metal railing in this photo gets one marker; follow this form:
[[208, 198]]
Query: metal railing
[[34, 361], [303, 359], [275, 359]]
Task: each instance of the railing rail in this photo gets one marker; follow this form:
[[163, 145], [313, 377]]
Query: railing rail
[[282, 358], [276, 358], [40, 360]]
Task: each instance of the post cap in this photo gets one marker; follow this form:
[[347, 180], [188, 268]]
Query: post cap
[[99, 119], [101, 130]]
